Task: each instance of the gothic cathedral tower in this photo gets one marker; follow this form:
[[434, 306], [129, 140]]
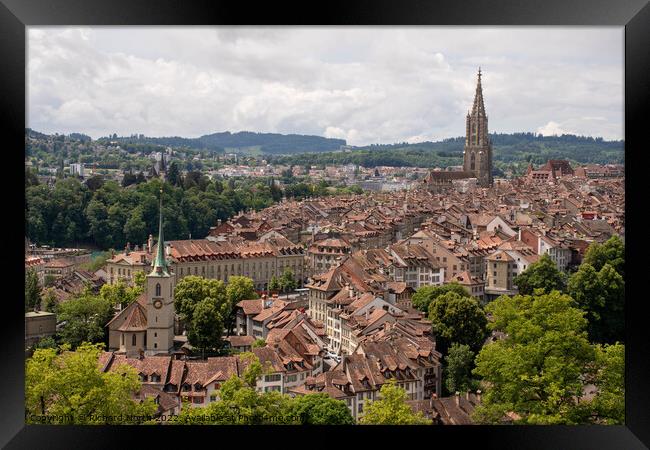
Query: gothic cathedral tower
[[160, 300], [478, 148]]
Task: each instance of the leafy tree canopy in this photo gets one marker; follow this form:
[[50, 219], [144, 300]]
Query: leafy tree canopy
[[319, 409], [611, 252], [459, 363], [457, 319], [68, 388], [204, 307], [602, 295], [537, 371], [392, 409], [85, 318], [542, 274], [426, 294]]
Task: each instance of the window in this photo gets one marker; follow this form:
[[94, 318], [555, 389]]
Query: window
[[273, 377], [360, 407], [133, 339], [157, 289]]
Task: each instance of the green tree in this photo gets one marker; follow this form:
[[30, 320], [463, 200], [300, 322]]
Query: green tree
[[259, 343], [426, 294], [608, 406], [537, 371], [287, 281], [319, 409], [135, 228], [49, 280], [46, 342], [457, 319], [459, 364], [602, 295], [611, 252], [612, 318], [274, 284], [174, 175], [69, 388], [95, 182], [120, 293], [542, 274], [206, 325], [32, 290], [49, 301], [391, 408], [139, 280], [203, 306], [85, 318]]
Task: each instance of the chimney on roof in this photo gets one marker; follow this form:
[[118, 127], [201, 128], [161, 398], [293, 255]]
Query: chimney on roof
[[127, 248], [478, 396], [150, 244], [457, 398], [218, 222]]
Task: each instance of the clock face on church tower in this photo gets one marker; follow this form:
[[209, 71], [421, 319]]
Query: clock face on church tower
[[157, 303]]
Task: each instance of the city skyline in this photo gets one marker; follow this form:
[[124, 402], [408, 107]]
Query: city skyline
[[363, 84]]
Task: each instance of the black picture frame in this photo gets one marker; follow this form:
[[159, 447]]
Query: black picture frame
[[15, 15]]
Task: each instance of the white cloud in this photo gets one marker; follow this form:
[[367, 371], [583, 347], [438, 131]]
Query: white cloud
[[363, 84], [553, 129]]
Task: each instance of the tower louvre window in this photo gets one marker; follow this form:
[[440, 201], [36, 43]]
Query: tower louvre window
[[157, 289]]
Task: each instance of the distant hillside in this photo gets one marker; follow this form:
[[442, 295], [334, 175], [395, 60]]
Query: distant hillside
[[243, 142], [508, 149]]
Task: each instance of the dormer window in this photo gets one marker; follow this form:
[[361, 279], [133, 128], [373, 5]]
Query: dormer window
[[187, 387]]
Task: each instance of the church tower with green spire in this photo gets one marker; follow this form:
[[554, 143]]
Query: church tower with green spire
[[477, 156], [160, 299]]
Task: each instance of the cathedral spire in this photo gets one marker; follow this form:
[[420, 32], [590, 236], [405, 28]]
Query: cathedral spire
[[478, 109], [160, 263]]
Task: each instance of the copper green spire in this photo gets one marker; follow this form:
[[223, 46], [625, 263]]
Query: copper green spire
[[160, 263]]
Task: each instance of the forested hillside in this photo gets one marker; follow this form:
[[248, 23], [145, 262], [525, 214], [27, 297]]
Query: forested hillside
[[508, 149], [271, 143]]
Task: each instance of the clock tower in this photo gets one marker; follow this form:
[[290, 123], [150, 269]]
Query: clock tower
[[160, 300]]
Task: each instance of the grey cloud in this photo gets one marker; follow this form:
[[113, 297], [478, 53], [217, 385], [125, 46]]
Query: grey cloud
[[366, 84]]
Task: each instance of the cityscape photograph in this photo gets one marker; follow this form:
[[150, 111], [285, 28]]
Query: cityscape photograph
[[324, 225]]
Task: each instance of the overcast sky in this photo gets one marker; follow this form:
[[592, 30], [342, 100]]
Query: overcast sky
[[363, 84]]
